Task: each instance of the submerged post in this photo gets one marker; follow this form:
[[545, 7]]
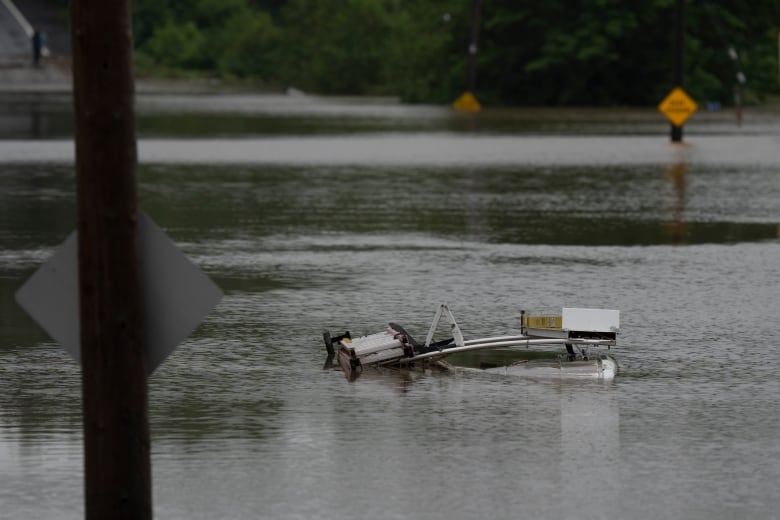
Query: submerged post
[[116, 430], [679, 61]]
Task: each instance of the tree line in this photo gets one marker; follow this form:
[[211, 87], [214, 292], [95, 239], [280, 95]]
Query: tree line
[[557, 52]]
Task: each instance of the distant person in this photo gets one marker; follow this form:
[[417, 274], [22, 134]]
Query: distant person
[[37, 43]]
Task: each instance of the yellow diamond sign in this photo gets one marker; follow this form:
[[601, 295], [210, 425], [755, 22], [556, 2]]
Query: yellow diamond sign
[[678, 106], [467, 103]]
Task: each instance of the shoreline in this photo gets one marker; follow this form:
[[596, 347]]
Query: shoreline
[[53, 77]]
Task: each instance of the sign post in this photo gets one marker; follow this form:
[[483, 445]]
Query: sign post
[[467, 102], [676, 132]]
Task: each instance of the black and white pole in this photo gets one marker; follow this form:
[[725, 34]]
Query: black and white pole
[[741, 80]]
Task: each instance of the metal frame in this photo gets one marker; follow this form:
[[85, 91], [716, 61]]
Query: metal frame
[[444, 310]]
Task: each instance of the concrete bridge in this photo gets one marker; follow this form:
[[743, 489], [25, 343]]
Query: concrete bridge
[[18, 20]]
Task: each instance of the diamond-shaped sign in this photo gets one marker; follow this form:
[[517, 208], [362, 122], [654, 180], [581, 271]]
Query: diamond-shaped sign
[[177, 294], [678, 106], [467, 103]]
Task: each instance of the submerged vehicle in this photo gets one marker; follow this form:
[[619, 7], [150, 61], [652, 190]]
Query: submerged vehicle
[[579, 331]]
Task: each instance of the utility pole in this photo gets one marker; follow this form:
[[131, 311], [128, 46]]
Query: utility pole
[[679, 61], [116, 429], [471, 74]]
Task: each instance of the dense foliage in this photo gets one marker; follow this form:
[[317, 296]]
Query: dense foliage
[[559, 52]]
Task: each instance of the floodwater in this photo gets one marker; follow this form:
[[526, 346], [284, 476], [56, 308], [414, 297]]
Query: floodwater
[[340, 214]]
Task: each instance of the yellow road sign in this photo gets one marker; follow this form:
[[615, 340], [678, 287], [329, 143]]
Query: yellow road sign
[[678, 106], [467, 103]]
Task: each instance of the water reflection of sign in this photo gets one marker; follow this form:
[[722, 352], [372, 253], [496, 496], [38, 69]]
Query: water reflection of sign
[[467, 103], [678, 106], [677, 228], [590, 447]]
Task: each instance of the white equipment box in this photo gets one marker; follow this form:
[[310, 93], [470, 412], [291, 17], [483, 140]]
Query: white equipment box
[[591, 320]]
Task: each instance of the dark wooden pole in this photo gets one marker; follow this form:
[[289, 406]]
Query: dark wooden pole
[[116, 429], [679, 60]]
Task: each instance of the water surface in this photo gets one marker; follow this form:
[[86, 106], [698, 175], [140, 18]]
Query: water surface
[[247, 424]]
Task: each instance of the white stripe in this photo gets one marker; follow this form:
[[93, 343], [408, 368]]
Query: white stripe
[[19, 17]]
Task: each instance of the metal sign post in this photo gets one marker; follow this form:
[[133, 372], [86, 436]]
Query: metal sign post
[[471, 73], [467, 102], [676, 132]]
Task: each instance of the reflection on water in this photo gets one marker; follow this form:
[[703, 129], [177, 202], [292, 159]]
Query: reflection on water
[[566, 205], [590, 447], [677, 228]]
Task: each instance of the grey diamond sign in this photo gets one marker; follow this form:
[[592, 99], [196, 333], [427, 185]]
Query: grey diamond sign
[[177, 294]]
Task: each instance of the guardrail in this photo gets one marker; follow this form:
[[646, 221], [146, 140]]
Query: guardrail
[[19, 17], [23, 23]]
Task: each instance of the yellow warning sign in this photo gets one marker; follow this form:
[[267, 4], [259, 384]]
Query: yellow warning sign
[[543, 322], [467, 103], [678, 106]]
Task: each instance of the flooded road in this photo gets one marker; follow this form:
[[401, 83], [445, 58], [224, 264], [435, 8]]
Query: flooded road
[[322, 228], [429, 150]]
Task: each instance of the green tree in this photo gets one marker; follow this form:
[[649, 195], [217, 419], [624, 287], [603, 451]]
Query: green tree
[[334, 48], [175, 45], [718, 28], [427, 50], [584, 52], [558, 52], [249, 47]]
